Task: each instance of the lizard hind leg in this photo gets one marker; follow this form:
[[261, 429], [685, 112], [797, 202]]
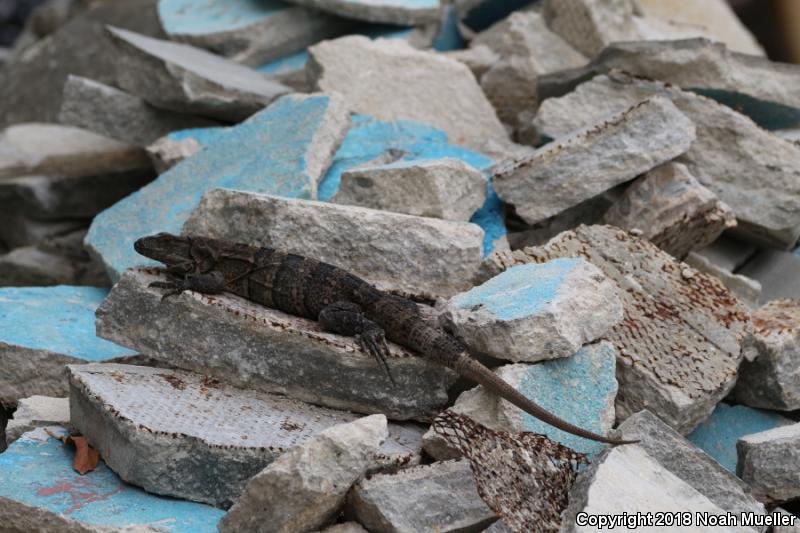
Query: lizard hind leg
[[347, 318]]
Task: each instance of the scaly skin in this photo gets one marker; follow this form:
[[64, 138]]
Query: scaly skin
[[342, 302]]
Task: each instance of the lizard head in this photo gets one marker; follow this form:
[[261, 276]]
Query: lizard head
[[166, 248]]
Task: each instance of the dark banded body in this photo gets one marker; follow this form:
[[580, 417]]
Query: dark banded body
[[311, 289]]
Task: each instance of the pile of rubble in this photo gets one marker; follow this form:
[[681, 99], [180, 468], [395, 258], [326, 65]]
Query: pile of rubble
[[601, 198]]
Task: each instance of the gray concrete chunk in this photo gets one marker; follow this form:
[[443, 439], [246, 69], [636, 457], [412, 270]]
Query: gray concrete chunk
[[536, 312], [306, 487], [413, 255], [770, 463], [440, 188], [673, 452], [252, 346], [37, 411], [747, 290], [672, 210], [588, 162], [439, 497], [768, 215], [190, 436], [397, 12], [116, 114], [626, 479], [589, 25], [778, 273], [182, 78], [772, 380], [680, 341], [405, 83]]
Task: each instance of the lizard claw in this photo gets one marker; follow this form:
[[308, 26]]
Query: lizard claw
[[373, 342]]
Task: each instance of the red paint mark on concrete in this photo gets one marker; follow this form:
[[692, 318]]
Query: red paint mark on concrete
[[80, 492]]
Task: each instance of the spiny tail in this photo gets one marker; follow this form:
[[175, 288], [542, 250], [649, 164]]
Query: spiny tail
[[474, 370]]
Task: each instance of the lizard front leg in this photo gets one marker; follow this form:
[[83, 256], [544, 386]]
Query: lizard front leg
[[347, 318], [212, 282]]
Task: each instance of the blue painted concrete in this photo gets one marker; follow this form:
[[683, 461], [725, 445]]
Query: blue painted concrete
[[717, 436], [370, 138], [576, 389], [203, 136], [265, 154], [193, 17], [59, 319], [520, 291], [36, 470], [449, 37]]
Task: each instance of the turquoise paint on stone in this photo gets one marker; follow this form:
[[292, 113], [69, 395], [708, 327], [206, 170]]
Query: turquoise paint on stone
[[520, 291], [717, 436], [59, 319], [36, 470], [193, 17], [449, 37], [203, 136], [370, 138], [265, 154], [577, 389]]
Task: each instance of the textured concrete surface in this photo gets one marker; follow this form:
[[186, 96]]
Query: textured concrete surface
[[285, 150], [580, 389], [767, 215], [536, 312], [770, 463], [108, 111], [585, 163], [678, 455], [437, 497], [251, 32], [39, 491], [444, 188], [414, 255], [772, 380], [306, 487], [680, 341], [44, 329], [717, 436], [747, 290], [252, 346], [182, 78], [37, 411], [189, 436]]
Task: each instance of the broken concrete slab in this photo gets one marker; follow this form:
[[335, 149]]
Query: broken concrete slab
[[718, 434], [673, 452], [728, 252], [585, 163], [182, 78], [305, 487], [770, 216], [40, 491], [347, 527], [437, 497], [680, 342], [536, 312], [440, 188], [418, 256], [31, 85], [44, 329], [672, 210], [589, 25], [17, 230], [245, 31], [589, 375], [772, 380], [119, 115], [711, 69], [409, 84], [777, 271], [167, 446], [716, 18], [260, 348], [747, 290], [52, 149], [284, 150], [37, 411], [176, 146], [626, 480], [371, 141], [53, 261], [769, 462], [399, 12]]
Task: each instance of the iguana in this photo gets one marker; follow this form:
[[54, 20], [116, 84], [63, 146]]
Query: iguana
[[342, 303]]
